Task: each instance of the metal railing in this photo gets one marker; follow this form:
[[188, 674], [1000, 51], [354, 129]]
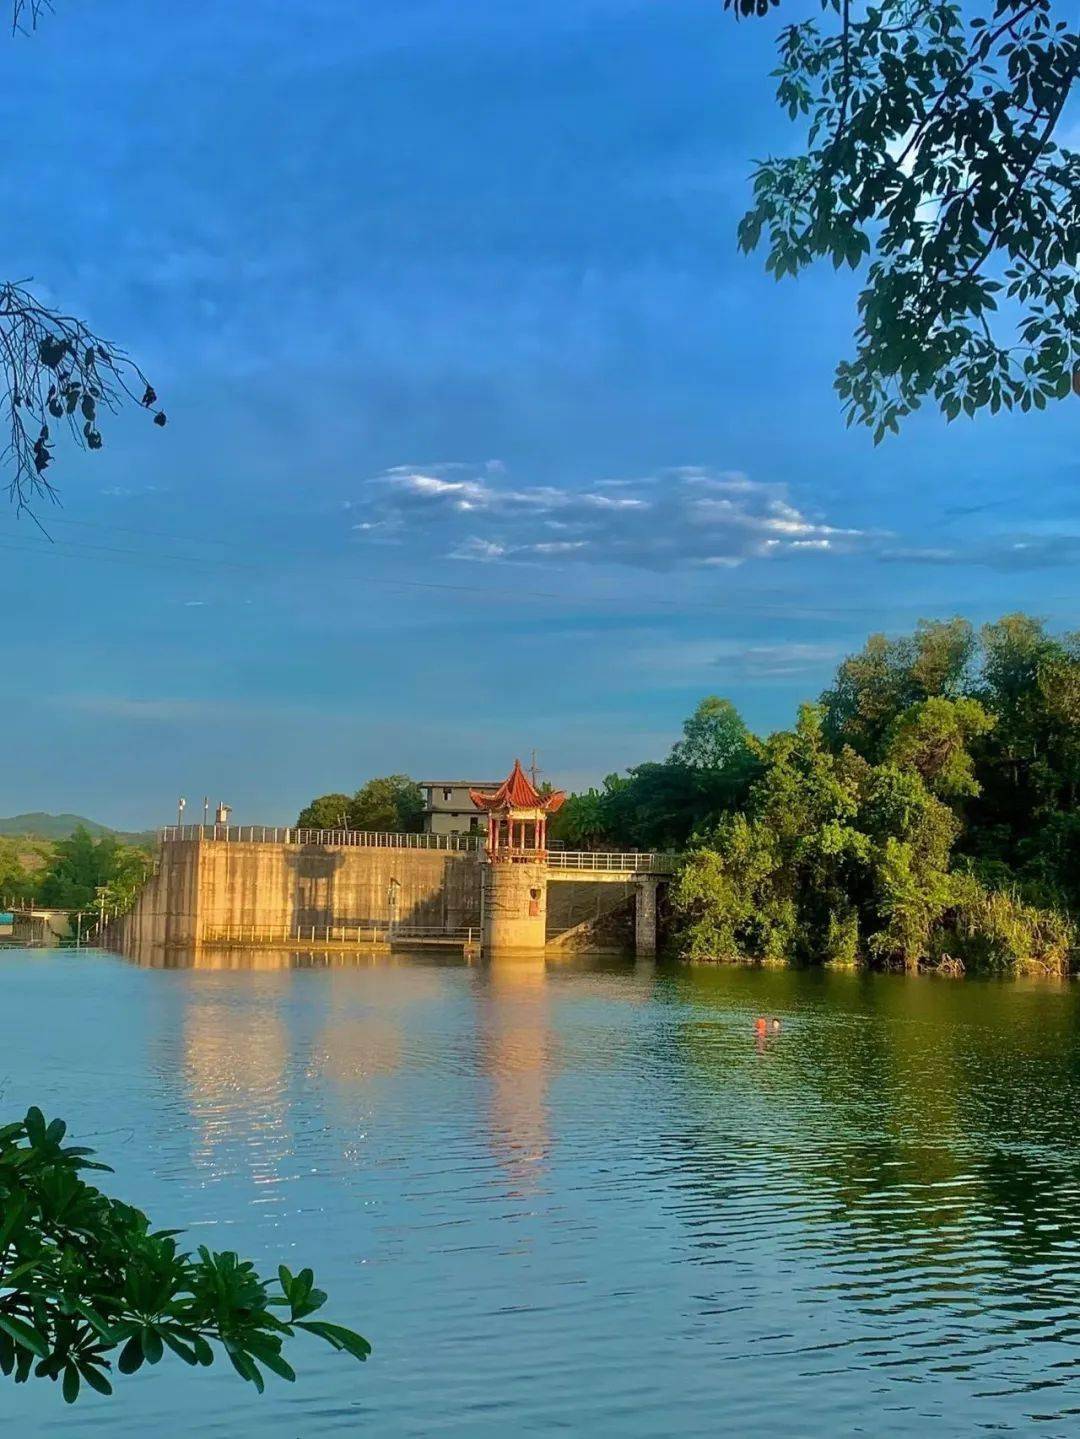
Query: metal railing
[[370, 931], [357, 838], [633, 862]]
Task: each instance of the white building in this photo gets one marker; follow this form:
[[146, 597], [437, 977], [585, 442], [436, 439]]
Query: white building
[[448, 808]]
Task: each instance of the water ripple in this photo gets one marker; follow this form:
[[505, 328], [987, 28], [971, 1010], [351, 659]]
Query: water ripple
[[583, 1198]]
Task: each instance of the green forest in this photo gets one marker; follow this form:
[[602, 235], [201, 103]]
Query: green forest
[[920, 814], [82, 872]]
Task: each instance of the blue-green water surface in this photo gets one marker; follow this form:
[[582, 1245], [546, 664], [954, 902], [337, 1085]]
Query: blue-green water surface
[[583, 1198]]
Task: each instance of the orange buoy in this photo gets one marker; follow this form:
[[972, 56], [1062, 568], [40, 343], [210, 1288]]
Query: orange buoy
[[761, 1025]]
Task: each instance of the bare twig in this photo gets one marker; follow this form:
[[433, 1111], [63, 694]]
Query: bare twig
[[55, 371]]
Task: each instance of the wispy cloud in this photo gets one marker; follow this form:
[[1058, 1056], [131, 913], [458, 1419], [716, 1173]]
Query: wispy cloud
[[688, 515], [782, 661], [1007, 552], [711, 662]]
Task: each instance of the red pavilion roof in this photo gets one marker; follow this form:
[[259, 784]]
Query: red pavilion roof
[[518, 792]]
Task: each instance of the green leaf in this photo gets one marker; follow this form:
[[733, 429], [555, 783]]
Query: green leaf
[[13, 1212], [245, 1367], [93, 1318], [35, 1126], [131, 1356], [151, 1344], [337, 1336], [268, 1351], [71, 1383], [27, 1338], [94, 1377], [185, 1351], [203, 1353]]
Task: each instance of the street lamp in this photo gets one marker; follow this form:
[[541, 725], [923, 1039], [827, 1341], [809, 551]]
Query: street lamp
[[181, 803]]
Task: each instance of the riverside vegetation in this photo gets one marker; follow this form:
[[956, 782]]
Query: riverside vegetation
[[80, 873], [921, 814]]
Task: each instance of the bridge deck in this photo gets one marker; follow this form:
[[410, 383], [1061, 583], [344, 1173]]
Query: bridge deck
[[587, 865]]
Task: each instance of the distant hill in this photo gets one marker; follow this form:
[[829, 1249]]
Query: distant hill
[[39, 825]]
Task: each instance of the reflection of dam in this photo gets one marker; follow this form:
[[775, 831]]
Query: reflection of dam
[[262, 887]]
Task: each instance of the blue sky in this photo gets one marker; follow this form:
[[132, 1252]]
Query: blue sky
[[482, 435]]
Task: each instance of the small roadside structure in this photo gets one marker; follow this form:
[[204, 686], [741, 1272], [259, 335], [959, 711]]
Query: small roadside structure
[[36, 927]]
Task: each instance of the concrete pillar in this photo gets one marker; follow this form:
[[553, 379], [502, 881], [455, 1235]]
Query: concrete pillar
[[645, 917], [515, 907]]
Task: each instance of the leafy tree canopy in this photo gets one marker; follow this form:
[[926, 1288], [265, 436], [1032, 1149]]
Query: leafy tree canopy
[[660, 805], [21, 867], [888, 676], [84, 873], [328, 811], [927, 810], [930, 156], [392, 803], [84, 1278]]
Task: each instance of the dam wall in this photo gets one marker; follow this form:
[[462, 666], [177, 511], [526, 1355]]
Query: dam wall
[[208, 890]]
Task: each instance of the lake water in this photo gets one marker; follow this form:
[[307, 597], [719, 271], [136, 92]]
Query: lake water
[[583, 1198]]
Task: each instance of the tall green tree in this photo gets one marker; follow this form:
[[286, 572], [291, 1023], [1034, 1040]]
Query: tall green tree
[[660, 805], [873, 688], [85, 873], [924, 813], [328, 811], [18, 879], [392, 803], [934, 738]]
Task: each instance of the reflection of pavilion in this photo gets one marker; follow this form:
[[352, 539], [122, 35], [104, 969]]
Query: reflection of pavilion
[[514, 1035]]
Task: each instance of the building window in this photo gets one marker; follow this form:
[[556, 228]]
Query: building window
[[446, 794]]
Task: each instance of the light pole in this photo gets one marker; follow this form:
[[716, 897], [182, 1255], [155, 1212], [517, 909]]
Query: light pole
[[181, 804]]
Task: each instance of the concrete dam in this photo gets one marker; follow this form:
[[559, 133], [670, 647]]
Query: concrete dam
[[251, 885]]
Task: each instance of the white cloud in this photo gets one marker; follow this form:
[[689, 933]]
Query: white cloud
[[684, 516]]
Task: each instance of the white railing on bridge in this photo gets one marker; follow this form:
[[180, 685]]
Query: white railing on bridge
[[360, 838], [358, 932], [633, 862], [629, 861]]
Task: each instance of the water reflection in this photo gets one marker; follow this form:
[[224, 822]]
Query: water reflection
[[514, 1051], [237, 1046], [513, 1174]]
